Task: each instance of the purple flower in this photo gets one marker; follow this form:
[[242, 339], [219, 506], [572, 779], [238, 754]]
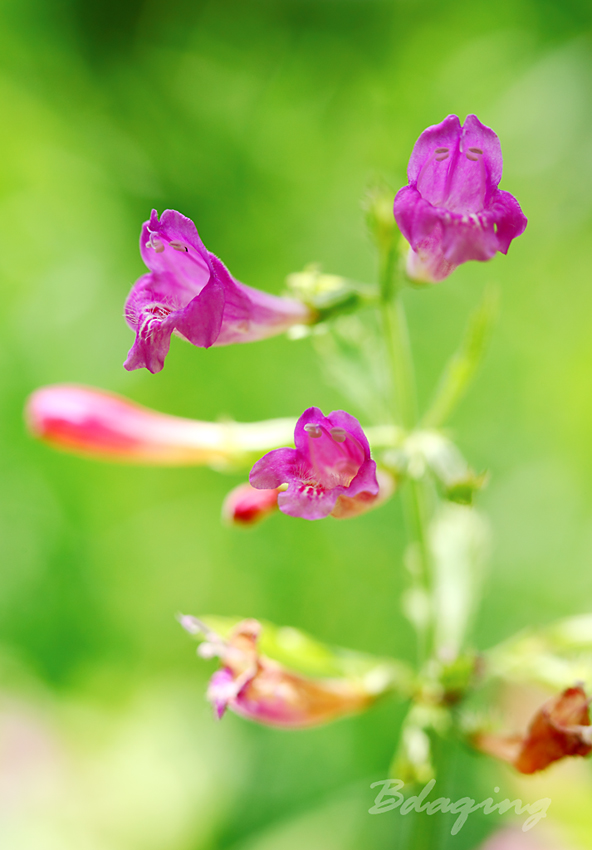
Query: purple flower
[[331, 459], [190, 292], [452, 210]]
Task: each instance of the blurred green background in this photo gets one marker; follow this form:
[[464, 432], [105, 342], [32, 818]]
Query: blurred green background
[[264, 121]]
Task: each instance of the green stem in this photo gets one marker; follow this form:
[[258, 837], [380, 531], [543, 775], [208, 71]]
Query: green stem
[[400, 361], [404, 406]]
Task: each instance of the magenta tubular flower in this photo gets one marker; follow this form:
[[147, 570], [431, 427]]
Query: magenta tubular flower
[[331, 459], [452, 210], [260, 689], [189, 291]]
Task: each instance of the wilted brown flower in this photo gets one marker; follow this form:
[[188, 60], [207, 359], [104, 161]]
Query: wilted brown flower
[[561, 727]]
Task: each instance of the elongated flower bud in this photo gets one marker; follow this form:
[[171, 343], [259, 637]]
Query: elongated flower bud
[[99, 424], [245, 505], [260, 689]]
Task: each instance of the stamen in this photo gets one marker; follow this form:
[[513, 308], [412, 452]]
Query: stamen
[[473, 154], [314, 431], [441, 154], [338, 434], [178, 246], [155, 244]]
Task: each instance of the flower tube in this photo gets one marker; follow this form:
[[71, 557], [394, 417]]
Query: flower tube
[[331, 460], [452, 210], [260, 689], [106, 426], [189, 292]]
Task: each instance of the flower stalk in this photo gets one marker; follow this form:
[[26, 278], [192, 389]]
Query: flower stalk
[[404, 409]]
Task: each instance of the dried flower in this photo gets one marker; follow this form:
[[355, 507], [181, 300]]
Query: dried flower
[[561, 727], [189, 291], [452, 210], [331, 459], [260, 689]]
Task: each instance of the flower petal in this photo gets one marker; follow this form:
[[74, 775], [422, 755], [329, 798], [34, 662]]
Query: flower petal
[[446, 134], [478, 135], [155, 309], [172, 245], [476, 170], [221, 690], [307, 501], [509, 219], [468, 238], [347, 507], [415, 216], [365, 481], [201, 320], [349, 423], [274, 469]]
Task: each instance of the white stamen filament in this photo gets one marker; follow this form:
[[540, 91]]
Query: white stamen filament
[[155, 244]]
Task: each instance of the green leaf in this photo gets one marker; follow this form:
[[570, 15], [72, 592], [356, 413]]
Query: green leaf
[[555, 656]]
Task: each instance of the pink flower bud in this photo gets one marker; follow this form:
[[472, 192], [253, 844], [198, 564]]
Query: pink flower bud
[[245, 505], [103, 425]]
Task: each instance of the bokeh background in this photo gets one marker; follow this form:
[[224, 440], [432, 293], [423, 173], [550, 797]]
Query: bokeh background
[[264, 121]]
